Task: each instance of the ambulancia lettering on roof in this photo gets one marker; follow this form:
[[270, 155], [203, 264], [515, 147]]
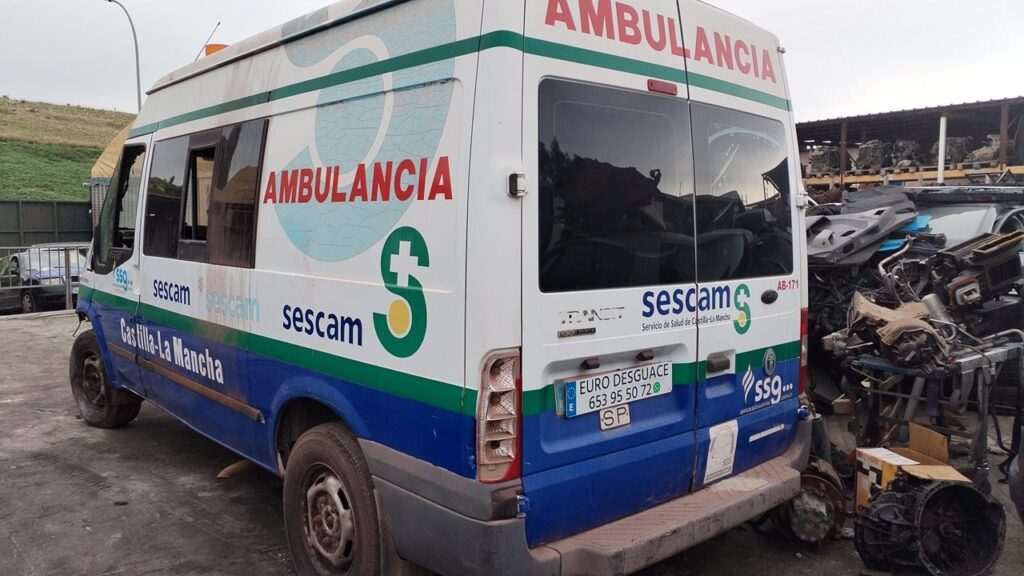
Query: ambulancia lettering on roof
[[378, 182], [627, 24]]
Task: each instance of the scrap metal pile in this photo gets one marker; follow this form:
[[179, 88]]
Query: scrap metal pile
[[901, 318], [883, 284]]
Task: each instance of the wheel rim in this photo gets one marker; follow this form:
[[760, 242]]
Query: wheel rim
[[329, 521], [26, 303], [94, 387]]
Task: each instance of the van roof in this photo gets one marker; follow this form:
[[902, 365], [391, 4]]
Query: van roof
[[326, 17]]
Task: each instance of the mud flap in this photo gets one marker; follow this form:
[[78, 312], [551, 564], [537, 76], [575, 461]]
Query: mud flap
[[391, 563]]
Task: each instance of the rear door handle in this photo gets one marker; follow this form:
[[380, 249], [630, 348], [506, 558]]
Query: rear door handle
[[718, 362]]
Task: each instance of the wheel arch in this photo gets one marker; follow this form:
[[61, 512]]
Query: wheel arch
[[305, 403]]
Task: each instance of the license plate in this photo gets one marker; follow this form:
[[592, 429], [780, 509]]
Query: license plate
[[591, 393], [74, 289], [615, 417]]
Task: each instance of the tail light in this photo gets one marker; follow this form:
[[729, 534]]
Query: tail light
[[803, 350], [499, 418]]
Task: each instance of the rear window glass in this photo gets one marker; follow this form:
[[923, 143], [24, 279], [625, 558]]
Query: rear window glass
[[959, 223], [615, 193], [744, 218]]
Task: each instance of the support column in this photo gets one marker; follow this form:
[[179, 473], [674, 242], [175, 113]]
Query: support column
[[842, 154], [942, 149], [1004, 133]]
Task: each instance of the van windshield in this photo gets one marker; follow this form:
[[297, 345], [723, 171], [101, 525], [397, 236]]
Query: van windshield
[[616, 196]]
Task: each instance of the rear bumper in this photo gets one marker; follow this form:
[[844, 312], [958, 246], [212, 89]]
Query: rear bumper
[[447, 540]]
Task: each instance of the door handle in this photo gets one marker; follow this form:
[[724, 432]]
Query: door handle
[[769, 296], [718, 362]]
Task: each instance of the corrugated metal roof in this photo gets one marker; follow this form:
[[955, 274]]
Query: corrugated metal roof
[[1014, 101]]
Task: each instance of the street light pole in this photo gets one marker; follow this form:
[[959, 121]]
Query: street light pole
[[138, 75]]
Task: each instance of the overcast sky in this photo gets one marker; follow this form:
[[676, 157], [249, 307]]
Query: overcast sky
[[844, 57]]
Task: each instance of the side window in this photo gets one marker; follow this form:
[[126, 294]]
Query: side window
[[616, 194], [115, 237], [743, 213], [163, 198], [232, 225], [202, 198], [195, 217]]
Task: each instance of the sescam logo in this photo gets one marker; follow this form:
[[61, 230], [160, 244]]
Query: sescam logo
[[767, 391], [402, 329], [711, 305]]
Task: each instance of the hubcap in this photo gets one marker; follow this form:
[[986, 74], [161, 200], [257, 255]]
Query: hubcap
[[329, 525], [93, 387], [26, 303]]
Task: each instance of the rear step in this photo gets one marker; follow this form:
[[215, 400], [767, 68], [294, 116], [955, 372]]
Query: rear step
[[637, 541]]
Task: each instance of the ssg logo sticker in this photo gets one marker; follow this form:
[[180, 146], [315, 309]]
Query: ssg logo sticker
[[121, 280], [401, 331], [767, 391]]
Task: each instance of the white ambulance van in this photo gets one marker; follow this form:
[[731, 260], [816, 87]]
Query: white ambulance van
[[497, 287]]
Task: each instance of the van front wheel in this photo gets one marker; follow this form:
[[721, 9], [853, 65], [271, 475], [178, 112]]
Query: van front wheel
[[101, 404], [329, 510]]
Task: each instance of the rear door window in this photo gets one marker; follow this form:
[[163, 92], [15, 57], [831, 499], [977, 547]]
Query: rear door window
[[744, 218], [616, 197]]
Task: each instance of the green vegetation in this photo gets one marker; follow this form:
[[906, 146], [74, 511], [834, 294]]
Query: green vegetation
[[47, 150], [45, 171]]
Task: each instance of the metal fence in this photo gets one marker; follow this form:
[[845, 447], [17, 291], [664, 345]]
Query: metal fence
[[40, 277], [26, 223]]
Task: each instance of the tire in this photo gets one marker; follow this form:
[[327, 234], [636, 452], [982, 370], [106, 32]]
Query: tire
[[100, 404], [330, 514], [28, 303]]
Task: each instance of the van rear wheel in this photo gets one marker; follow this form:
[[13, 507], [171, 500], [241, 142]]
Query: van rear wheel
[[330, 513], [101, 405]]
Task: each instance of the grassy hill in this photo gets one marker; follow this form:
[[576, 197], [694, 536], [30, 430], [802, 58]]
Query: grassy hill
[[47, 150]]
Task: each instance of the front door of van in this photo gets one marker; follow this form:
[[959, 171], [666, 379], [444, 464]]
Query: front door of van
[[609, 351], [196, 269], [113, 281]]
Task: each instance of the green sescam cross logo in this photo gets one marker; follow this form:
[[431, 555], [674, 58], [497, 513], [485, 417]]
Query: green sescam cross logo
[[402, 329], [743, 318]]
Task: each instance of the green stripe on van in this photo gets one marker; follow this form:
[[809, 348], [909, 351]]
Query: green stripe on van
[[754, 358], [443, 395], [432, 392], [498, 39]]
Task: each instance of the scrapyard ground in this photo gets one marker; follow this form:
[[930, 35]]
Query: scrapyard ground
[[146, 499]]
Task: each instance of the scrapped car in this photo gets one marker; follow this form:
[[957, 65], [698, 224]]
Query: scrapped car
[[964, 212], [848, 239], [34, 279]]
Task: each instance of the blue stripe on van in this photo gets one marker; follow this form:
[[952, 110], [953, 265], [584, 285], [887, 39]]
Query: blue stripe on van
[[441, 437]]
